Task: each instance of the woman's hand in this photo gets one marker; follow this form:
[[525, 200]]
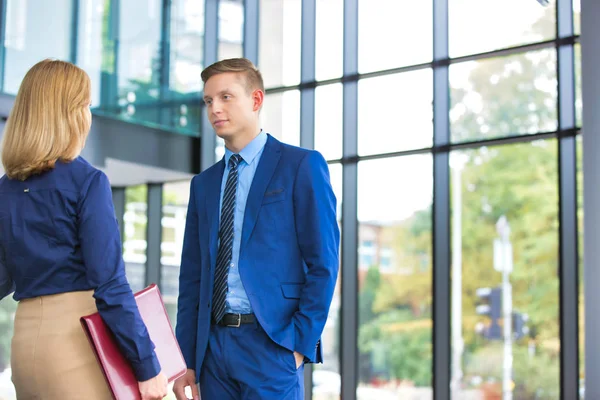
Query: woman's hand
[[155, 388]]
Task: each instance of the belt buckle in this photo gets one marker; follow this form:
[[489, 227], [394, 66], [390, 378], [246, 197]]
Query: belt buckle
[[239, 322]]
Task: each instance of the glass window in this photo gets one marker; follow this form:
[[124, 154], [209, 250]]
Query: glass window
[[394, 301], [94, 47], [231, 29], [329, 120], [280, 116], [505, 248], [24, 43], [279, 42], [503, 96], [8, 307], [395, 112], [329, 51], [393, 34], [135, 222], [187, 45], [477, 26], [326, 376], [175, 202], [578, 94], [139, 59]]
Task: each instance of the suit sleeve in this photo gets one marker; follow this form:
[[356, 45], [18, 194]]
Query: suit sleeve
[[7, 285], [189, 285], [105, 271], [319, 238]]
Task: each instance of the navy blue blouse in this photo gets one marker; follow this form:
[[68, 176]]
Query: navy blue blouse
[[58, 233]]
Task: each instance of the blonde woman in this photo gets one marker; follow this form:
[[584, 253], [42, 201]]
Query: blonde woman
[[60, 250]]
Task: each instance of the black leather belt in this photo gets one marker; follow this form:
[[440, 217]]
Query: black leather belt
[[235, 320]]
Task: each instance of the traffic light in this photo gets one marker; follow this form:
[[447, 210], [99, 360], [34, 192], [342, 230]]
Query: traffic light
[[519, 321], [490, 306]]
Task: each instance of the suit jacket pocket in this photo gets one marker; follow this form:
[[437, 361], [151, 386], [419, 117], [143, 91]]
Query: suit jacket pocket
[[273, 196], [291, 290]]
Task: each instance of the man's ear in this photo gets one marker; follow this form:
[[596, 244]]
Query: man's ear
[[258, 97]]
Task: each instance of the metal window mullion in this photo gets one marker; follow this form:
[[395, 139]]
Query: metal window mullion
[[590, 76], [118, 197], [349, 273], [441, 205], [307, 111], [165, 63], [74, 30], [108, 80], [153, 233], [568, 263], [307, 74], [2, 41], [211, 48], [251, 29]]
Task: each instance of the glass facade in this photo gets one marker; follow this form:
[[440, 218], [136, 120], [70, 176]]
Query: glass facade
[[441, 123]]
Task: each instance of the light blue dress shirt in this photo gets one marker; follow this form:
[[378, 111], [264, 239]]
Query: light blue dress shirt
[[237, 300]]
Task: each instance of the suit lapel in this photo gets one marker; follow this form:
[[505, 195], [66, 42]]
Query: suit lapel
[[264, 172], [213, 199]]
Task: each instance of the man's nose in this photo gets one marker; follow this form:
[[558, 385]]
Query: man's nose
[[216, 107]]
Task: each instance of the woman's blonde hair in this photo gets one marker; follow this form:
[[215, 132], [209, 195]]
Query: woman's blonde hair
[[49, 121]]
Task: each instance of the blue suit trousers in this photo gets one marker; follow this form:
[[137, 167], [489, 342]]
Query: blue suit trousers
[[245, 364]]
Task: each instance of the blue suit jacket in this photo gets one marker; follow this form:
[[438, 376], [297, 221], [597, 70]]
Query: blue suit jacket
[[289, 254]]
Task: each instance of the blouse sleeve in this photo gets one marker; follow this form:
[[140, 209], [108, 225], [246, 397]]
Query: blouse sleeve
[[101, 248]]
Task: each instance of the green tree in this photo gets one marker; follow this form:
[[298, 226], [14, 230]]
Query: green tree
[[7, 310], [504, 96]]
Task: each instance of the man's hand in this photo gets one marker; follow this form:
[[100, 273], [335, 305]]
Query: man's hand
[[189, 379], [299, 359]]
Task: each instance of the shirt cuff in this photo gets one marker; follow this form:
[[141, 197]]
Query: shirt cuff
[[146, 369]]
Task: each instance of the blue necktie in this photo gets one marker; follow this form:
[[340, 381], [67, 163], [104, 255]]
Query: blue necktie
[[225, 240]]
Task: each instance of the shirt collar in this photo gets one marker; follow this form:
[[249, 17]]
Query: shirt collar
[[251, 150]]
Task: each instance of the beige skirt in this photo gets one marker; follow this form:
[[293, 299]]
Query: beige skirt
[[51, 357]]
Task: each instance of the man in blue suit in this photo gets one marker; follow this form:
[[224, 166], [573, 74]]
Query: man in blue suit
[[260, 253]]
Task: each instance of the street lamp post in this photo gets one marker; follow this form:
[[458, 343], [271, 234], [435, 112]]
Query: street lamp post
[[503, 261]]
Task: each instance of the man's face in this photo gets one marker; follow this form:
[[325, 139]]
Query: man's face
[[232, 109]]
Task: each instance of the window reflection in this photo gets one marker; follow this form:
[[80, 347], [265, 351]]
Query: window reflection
[[139, 60], [175, 203], [329, 120], [187, 42], [504, 96], [395, 112], [279, 42], [395, 278], [231, 28], [507, 221], [479, 26], [94, 47], [394, 34], [134, 237], [280, 116], [8, 307], [329, 44], [326, 376], [25, 46]]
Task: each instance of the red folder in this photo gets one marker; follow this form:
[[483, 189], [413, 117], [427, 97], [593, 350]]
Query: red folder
[[116, 368]]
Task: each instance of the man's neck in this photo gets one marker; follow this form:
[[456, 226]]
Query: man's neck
[[237, 144]]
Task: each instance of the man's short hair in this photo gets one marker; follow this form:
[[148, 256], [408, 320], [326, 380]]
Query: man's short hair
[[243, 66]]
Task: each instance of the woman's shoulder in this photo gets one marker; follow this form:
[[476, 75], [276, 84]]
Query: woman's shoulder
[[80, 172]]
